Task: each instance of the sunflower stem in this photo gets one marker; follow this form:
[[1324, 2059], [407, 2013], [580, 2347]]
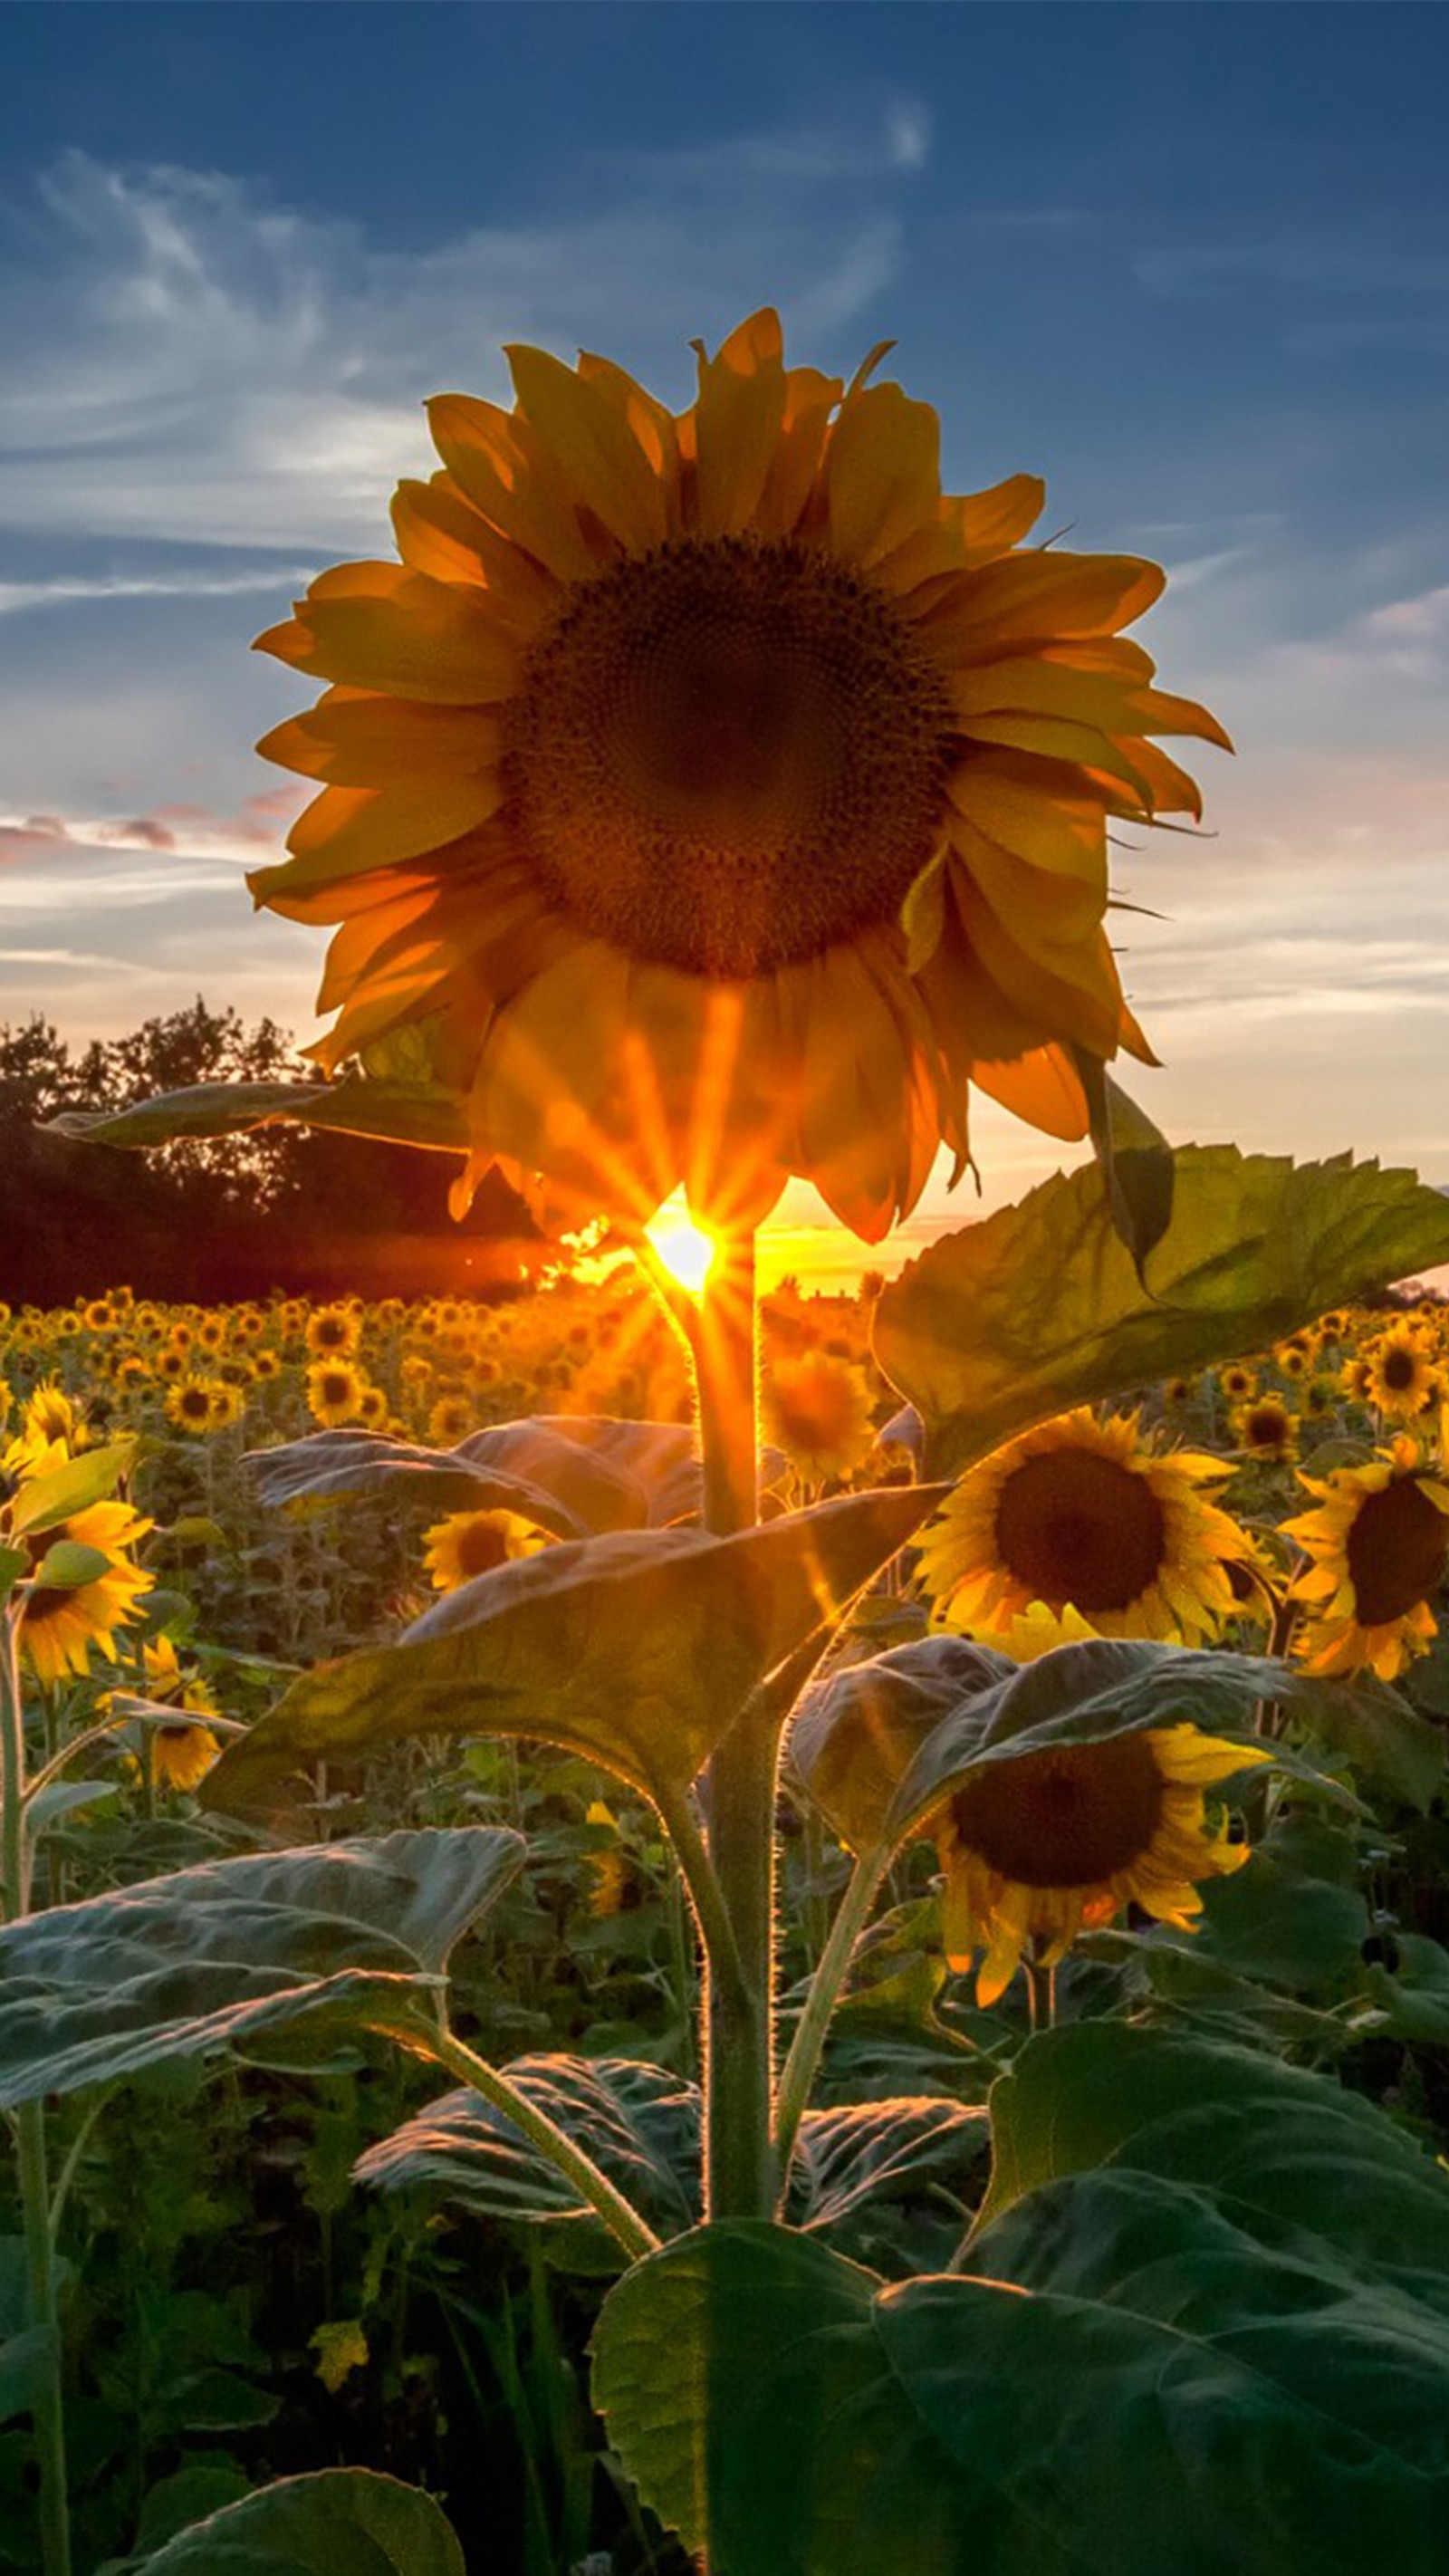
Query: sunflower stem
[[47, 2410], [739, 1785], [851, 1917]]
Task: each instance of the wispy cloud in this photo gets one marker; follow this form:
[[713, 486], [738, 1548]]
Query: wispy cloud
[[64, 590], [191, 360]]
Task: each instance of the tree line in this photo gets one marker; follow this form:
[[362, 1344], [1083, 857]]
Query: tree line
[[280, 1207]]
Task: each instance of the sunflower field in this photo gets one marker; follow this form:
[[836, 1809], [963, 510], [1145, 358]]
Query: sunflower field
[[650, 1927]]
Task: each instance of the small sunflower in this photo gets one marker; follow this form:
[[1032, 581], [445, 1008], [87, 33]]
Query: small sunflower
[[333, 1332], [334, 1392], [1379, 1547], [472, 1543], [59, 1626], [1237, 1382], [189, 1404], [49, 1414], [729, 797], [1265, 1427], [451, 1420], [228, 1403], [1402, 1376], [817, 1409], [1087, 1513], [372, 1407], [1038, 1848]]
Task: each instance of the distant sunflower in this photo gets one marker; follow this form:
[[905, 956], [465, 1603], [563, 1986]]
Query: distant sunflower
[[1402, 1375], [817, 1409], [451, 1419], [1038, 1848], [49, 1414], [189, 1404], [333, 1332], [1265, 1427], [1085, 1512], [1237, 1381], [182, 1752], [729, 797], [1379, 1547], [334, 1391], [467, 1544]]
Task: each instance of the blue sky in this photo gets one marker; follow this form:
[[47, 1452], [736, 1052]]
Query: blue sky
[[1189, 262]]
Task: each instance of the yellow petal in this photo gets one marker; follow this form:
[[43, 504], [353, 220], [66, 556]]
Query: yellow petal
[[882, 473]]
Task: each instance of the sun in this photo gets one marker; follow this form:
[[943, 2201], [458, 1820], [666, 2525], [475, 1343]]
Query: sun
[[686, 1251]]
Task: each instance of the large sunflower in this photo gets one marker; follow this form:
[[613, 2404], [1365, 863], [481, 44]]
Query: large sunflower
[[728, 797], [1086, 1513], [1378, 1546], [1038, 1848]]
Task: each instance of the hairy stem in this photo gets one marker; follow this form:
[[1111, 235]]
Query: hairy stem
[[851, 1917]]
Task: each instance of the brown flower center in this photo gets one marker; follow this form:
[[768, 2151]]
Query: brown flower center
[[1397, 1549], [1068, 1818], [1074, 1526], [1399, 1370], [480, 1548], [726, 756]]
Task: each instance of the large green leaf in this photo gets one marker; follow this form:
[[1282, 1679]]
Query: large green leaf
[[1225, 2354], [572, 1475], [1039, 1307], [403, 1113], [221, 1952], [1290, 2151], [334, 2522], [637, 1649], [642, 2126], [638, 2122]]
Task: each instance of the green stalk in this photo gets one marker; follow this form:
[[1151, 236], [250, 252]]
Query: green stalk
[[48, 2412], [851, 1916], [618, 2214], [739, 1785]]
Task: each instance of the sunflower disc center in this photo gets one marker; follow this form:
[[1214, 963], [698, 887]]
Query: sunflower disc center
[[727, 756], [1080, 1528], [1397, 1550], [1069, 1818]]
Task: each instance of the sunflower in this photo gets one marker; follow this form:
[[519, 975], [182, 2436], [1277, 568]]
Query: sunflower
[[1379, 1546], [49, 1415], [333, 1332], [472, 1543], [334, 1392], [727, 796], [1237, 1381], [182, 1752], [451, 1419], [189, 1404], [59, 1625], [1266, 1427], [817, 1409], [1085, 1512], [1402, 1378], [1037, 1848]]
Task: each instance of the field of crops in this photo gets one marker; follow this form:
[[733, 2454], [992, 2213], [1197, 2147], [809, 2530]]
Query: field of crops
[[239, 2302]]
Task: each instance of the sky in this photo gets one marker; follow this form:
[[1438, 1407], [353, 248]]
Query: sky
[[1190, 262]]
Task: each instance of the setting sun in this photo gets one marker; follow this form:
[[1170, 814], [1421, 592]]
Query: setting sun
[[686, 1251]]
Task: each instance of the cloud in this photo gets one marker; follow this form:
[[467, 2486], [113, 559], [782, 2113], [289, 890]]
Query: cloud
[[191, 361], [65, 590]]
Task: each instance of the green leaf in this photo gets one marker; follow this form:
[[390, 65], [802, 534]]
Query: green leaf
[[184, 2497], [402, 1113], [334, 2522], [637, 1649], [63, 1797], [641, 2124], [68, 1564], [638, 2122], [1225, 2354], [26, 2362], [1377, 1732], [331, 1464], [573, 1475], [14, 1561], [184, 1965], [1134, 1158], [859, 2152], [1289, 2149], [1038, 1308], [1414, 1997], [42, 1502]]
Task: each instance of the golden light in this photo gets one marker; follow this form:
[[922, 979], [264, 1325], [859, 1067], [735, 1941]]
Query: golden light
[[686, 1251]]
